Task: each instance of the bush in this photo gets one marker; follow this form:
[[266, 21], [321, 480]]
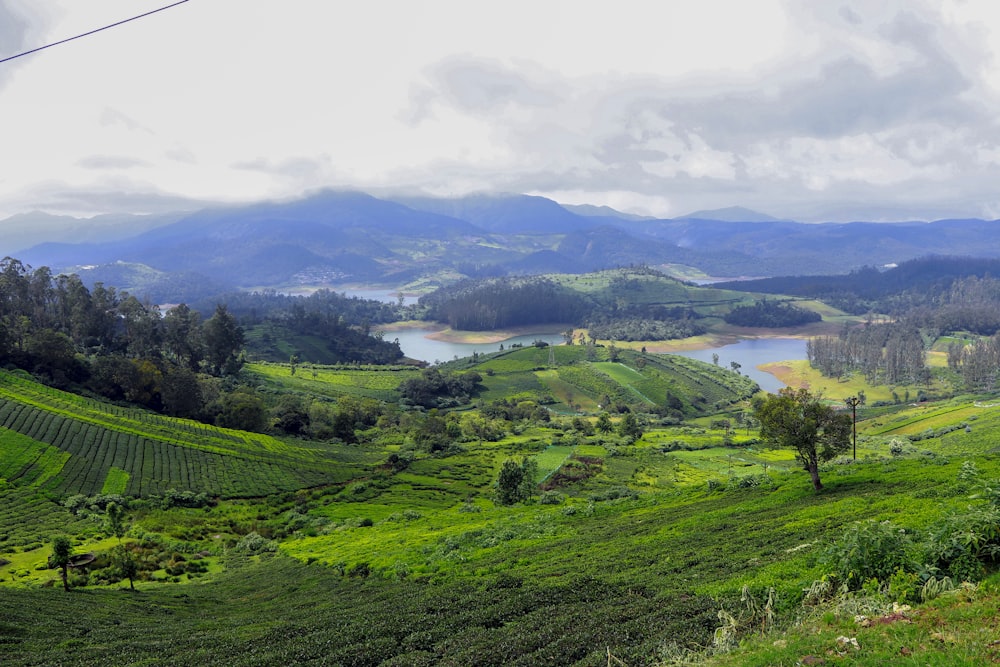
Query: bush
[[869, 551], [962, 543], [254, 543]]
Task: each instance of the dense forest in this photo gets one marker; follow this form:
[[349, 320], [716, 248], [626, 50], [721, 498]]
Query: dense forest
[[503, 302], [956, 283], [179, 362], [637, 303], [770, 314]]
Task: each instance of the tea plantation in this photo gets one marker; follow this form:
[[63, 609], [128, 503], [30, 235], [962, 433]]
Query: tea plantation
[[690, 544]]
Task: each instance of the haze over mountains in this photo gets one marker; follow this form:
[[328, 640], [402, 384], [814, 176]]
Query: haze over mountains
[[343, 237]]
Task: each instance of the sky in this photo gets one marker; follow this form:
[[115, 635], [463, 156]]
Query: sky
[[818, 110]]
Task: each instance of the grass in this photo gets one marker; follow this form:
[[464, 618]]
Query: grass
[[800, 374], [379, 382]]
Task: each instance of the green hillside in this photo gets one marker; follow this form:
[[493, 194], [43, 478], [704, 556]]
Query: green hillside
[[579, 378], [386, 551], [65, 444]]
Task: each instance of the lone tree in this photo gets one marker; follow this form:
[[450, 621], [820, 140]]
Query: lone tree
[[795, 419], [516, 481], [114, 523], [61, 552]]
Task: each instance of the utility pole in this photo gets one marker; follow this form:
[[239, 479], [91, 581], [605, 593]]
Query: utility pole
[[854, 402]]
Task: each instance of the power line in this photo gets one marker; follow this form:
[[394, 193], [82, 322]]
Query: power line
[[91, 32]]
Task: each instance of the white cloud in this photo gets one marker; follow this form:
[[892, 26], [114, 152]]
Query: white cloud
[[795, 109]]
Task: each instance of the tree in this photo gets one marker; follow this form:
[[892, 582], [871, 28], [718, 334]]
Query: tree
[[114, 523], [629, 427], [795, 419], [182, 335], [516, 481], [223, 341], [61, 553], [604, 424]]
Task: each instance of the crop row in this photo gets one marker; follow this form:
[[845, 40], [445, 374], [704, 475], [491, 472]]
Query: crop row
[[27, 517], [28, 461], [594, 383], [180, 432], [92, 453]]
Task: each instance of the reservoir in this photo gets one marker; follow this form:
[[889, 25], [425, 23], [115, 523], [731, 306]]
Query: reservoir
[[751, 352], [416, 345], [748, 353]]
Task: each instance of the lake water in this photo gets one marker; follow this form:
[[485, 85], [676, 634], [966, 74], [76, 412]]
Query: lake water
[[416, 345], [383, 295], [748, 353]]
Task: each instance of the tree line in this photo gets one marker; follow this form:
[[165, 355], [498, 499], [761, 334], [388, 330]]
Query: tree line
[[888, 353], [180, 362]]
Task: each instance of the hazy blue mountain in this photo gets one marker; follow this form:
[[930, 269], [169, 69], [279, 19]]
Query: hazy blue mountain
[[25, 230], [729, 214], [505, 214], [328, 237], [590, 211], [334, 237]]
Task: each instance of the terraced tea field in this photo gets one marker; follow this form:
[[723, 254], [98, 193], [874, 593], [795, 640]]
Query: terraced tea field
[[68, 444]]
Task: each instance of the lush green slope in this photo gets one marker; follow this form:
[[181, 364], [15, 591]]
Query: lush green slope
[[534, 585], [579, 377], [632, 550], [66, 444], [380, 382]]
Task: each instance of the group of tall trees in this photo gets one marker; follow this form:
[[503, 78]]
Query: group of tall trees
[[111, 343], [503, 302], [978, 362], [888, 353], [775, 314], [55, 327], [506, 302]]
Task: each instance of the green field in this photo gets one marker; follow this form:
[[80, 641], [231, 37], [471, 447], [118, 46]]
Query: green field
[[330, 553]]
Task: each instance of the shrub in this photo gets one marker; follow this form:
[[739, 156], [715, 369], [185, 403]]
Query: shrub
[[869, 550], [254, 543], [961, 543]]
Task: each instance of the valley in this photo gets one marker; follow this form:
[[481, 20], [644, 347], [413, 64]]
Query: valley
[[357, 513], [556, 335]]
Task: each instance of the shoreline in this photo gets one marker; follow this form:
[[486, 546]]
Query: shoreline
[[446, 334]]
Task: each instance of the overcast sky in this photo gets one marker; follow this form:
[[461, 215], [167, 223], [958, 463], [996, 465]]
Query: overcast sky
[[811, 110]]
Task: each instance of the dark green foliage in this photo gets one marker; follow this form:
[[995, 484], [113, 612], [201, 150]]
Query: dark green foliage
[[62, 550], [516, 481], [503, 302], [435, 388], [242, 410], [223, 341], [770, 314], [797, 420], [635, 328], [871, 550], [964, 543], [629, 427]]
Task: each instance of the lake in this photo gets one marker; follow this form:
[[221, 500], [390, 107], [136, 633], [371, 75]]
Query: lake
[[416, 345], [751, 352], [748, 353]]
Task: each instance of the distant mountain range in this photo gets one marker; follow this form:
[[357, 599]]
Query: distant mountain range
[[338, 238]]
